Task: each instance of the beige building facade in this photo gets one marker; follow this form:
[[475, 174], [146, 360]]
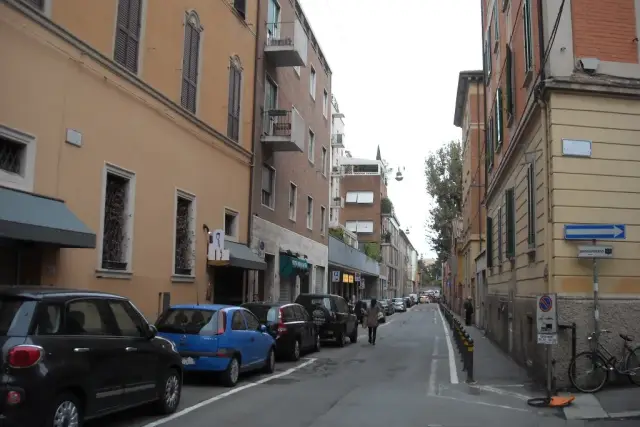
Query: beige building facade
[[120, 128], [562, 148]]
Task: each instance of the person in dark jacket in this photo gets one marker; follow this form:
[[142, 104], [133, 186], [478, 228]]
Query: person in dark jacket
[[360, 310], [468, 311]]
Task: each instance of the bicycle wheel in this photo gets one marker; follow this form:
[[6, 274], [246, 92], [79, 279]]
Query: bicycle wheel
[[591, 365], [632, 366]]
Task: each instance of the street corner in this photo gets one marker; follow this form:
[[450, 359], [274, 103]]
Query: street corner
[[200, 390]]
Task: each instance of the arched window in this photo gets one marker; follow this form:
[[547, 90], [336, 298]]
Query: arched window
[[235, 95], [191, 59]]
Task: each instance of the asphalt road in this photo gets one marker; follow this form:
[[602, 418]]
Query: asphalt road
[[405, 380]]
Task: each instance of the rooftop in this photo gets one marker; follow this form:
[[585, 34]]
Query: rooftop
[[464, 78]]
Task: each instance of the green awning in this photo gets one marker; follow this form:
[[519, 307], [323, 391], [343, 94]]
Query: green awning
[[34, 218], [289, 264], [242, 256]]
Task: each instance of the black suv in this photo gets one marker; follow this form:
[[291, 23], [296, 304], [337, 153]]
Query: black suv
[[290, 325], [73, 355], [333, 316]]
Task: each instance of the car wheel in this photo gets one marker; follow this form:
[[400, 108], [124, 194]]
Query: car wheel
[[65, 412], [341, 339], [316, 347], [170, 393], [232, 373], [295, 350], [270, 366], [354, 335]]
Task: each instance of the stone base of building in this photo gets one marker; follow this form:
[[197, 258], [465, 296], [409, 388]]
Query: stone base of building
[[518, 336], [270, 240]]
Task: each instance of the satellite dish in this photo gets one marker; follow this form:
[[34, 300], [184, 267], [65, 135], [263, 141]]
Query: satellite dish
[[399, 176]]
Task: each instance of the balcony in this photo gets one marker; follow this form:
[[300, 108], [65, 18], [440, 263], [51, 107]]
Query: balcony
[[286, 44], [283, 130], [337, 140], [337, 202]]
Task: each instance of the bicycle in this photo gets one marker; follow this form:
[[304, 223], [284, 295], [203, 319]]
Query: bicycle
[[603, 362]]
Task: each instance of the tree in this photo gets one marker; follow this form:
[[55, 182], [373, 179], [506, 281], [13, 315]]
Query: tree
[[443, 173]]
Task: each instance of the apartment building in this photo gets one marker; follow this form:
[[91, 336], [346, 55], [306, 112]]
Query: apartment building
[[405, 277], [111, 160], [469, 117], [562, 86], [290, 197]]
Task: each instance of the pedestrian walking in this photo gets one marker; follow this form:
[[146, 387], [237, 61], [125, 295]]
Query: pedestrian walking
[[372, 320], [468, 311]]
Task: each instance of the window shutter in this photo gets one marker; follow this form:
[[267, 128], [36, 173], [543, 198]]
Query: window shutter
[[38, 4], [509, 78], [235, 84], [240, 6], [489, 242], [128, 34], [266, 178], [498, 114], [510, 223], [190, 67], [489, 56], [531, 199]]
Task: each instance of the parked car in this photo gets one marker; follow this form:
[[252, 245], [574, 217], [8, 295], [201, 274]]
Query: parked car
[[399, 304], [218, 338], [78, 355], [331, 313], [424, 299], [387, 306], [290, 325]]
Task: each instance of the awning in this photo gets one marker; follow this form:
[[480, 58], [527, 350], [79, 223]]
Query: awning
[[35, 218], [243, 257], [289, 264]]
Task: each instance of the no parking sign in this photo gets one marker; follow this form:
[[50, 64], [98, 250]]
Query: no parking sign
[[547, 319]]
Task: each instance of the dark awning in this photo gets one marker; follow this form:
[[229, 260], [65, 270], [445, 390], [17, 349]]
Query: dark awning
[[34, 218], [243, 257]]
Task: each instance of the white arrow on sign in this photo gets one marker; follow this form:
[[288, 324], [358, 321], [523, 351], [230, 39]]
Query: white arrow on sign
[[603, 231]]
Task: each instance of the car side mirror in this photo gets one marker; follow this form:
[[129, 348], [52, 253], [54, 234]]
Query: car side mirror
[[263, 329], [152, 331]]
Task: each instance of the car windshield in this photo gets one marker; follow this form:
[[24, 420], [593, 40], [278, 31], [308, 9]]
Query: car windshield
[[398, 300], [383, 303], [308, 302], [188, 321], [264, 313], [9, 308]]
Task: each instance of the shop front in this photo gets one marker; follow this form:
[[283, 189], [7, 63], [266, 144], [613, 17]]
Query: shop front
[[33, 229], [294, 276], [352, 274]]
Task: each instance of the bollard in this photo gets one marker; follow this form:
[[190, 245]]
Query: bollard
[[470, 348]]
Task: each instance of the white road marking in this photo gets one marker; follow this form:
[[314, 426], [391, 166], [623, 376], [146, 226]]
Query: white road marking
[[502, 392], [431, 390], [475, 402], [453, 370], [235, 390]]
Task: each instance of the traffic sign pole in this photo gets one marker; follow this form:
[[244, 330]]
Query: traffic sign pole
[[596, 304]]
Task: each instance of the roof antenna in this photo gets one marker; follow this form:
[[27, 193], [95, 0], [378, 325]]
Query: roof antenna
[[207, 233]]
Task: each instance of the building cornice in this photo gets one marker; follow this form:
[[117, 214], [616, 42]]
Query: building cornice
[[464, 78]]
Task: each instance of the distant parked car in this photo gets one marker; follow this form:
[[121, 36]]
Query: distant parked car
[[72, 355], [333, 316], [290, 325], [218, 338], [399, 304]]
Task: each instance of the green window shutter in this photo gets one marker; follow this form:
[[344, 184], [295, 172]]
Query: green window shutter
[[496, 21], [509, 78], [489, 65], [528, 36], [498, 113], [489, 242], [500, 234], [510, 222]]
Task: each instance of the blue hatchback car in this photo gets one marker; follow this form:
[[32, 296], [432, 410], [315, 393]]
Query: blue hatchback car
[[218, 338]]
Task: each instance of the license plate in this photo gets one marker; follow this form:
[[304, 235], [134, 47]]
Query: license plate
[[188, 361]]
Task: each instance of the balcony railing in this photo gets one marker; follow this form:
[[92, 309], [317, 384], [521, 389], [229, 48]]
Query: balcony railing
[[286, 44], [337, 140], [283, 130]]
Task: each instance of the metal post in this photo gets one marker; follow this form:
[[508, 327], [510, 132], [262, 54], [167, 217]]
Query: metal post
[[470, 348], [596, 307], [549, 373]]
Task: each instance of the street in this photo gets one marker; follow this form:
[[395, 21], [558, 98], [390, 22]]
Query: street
[[404, 380]]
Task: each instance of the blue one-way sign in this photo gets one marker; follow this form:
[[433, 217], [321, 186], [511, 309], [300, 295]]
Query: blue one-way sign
[[595, 231]]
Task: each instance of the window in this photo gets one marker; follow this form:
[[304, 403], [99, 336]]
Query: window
[[235, 101], [531, 204], [293, 201], [489, 242], [500, 238], [241, 7], [117, 225], [127, 320], [360, 226], [268, 186], [312, 146], [323, 220], [496, 23], [17, 159], [312, 83], [487, 57], [270, 103], [48, 320], [253, 324], [273, 20], [528, 36], [359, 197], [85, 318], [323, 160], [510, 95], [325, 103], [231, 223], [237, 321], [498, 119], [127, 45], [309, 212], [489, 145], [190, 62], [38, 4], [185, 234], [510, 222]]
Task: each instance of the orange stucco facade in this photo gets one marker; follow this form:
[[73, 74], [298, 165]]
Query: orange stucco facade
[[50, 82]]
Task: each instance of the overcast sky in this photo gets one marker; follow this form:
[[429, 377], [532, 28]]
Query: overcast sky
[[395, 70]]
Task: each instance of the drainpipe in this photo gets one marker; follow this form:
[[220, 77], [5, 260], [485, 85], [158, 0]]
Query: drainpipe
[[253, 135], [478, 169], [484, 103]]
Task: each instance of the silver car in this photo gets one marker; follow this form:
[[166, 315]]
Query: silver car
[[399, 304]]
